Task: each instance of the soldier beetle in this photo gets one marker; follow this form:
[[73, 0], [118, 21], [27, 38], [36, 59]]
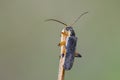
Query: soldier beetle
[[69, 42]]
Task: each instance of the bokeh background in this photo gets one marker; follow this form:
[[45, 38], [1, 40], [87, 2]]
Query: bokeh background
[[28, 45]]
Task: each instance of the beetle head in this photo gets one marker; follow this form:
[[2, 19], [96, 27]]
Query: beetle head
[[70, 31]]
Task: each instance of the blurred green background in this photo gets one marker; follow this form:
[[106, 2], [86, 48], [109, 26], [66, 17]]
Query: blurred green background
[[28, 45]]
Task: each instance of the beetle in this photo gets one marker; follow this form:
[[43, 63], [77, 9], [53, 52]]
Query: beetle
[[69, 42]]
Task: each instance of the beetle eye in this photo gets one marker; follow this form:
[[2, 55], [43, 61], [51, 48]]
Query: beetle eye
[[68, 28]]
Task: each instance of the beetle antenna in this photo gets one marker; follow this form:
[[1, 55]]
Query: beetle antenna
[[56, 21], [78, 18]]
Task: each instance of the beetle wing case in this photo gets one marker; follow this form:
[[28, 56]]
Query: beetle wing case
[[70, 52]]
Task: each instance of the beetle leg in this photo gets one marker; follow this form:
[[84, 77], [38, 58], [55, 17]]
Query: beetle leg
[[78, 54], [62, 43]]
